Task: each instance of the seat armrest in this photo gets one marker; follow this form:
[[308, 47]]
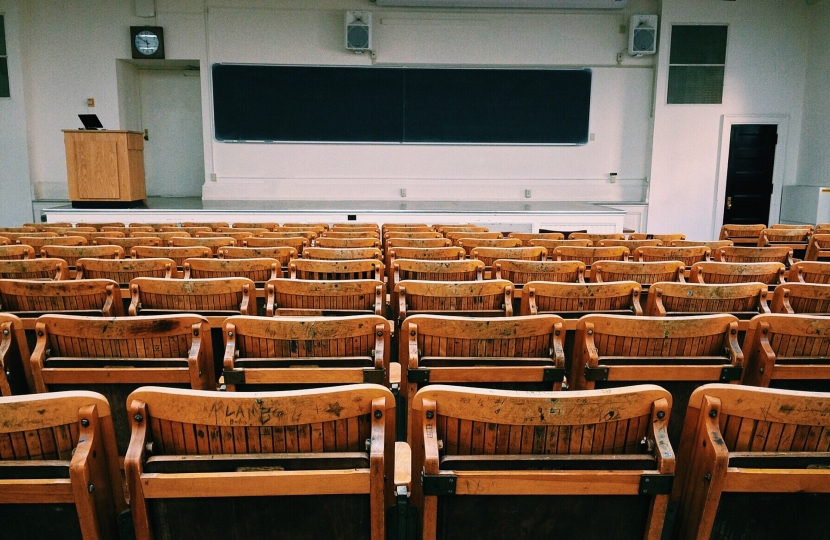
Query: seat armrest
[[403, 467]]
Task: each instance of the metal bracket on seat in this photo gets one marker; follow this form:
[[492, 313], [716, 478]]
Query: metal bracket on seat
[[596, 373], [234, 376], [731, 373], [438, 484], [417, 375], [374, 376], [656, 484], [553, 374]]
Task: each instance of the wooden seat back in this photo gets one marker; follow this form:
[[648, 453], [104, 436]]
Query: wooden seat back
[[573, 300], [679, 353], [688, 255], [213, 242], [268, 354], [126, 231], [14, 237], [448, 229], [589, 255], [456, 236], [793, 238], [30, 299], [127, 243], [395, 242], [178, 254], [490, 298], [749, 459], [810, 272], [191, 231], [325, 270], [67, 231], [526, 237], [520, 272], [257, 270], [811, 298], [742, 234], [72, 253], [4, 230], [345, 234], [297, 243], [15, 370], [771, 273], [420, 270], [342, 253], [630, 244], [711, 244], [484, 351], [788, 351], [295, 460], [818, 247], [488, 255], [268, 225], [743, 254], [114, 356], [212, 296], [100, 225], [356, 242], [744, 300], [666, 238], [354, 226], [38, 269], [426, 234], [43, 226], [315, 298], [283, 254], [207, 224], [644, 273], [37, 242], [90, 236], [163, 236], [468, 244], [253, 231], [58, 458], [595, 237], [239, 236], [511, 454], [122, 271], [550, 245], [317, 227]]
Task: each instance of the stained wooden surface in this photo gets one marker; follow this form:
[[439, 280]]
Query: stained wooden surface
[[100, 297], [481, 298], [72, 253], [427, 270], [178, 254], [819, 247], [711, 244], [744, 254], [304, 297], [644, 273], [43, 269], [17, 252], [802, 298], [521, 272], [740, 299], [213, 242], [742, 234], [37, 242], [342, 253], [205, 296], [488, 255], [126, 243], [526, 237], [589, 255], [688, 255], [15, 370], [666, 238], [810, 272], [327, 270], [270, 351], [630, 244], [786, 350], [257, 270], [337, 242], [577, 299], [191, 424], [520, 430], [283, 254], [122, 271], [770, 273], [727, 425], [596, 237]]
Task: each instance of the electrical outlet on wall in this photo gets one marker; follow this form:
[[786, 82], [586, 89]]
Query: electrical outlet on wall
[[613, 176], [403, 193], [527, 194]]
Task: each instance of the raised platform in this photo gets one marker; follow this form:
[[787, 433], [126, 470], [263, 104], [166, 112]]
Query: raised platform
[[508, 215]]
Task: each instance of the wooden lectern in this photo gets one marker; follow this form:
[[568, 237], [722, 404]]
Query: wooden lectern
[[105, 167]]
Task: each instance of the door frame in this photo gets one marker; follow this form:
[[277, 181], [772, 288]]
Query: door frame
[[727, 121]]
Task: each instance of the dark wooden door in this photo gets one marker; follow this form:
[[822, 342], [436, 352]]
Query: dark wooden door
[[749, 173]]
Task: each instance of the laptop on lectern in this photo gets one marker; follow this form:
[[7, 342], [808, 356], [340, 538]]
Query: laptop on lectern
[[91, 121]]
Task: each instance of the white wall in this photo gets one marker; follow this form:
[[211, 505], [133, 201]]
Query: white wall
[[766, 64], [274, 32], [16, 199], [814, 163]]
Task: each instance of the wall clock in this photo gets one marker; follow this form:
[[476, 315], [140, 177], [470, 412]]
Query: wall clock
[[147, 42]]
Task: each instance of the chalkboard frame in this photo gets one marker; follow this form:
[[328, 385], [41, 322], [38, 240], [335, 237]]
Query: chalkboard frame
[[383, 92]]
